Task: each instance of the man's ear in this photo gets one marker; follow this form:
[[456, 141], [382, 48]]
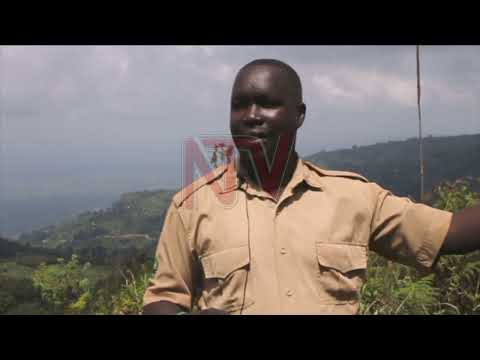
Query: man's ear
[[301, 110]]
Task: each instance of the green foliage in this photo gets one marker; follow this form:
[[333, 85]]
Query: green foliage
[[452, 288], [417, 296], [64, 287], [129, 300], [395, 289], [27, 308], [7, 300], [458, 276], [457, 195], [16, 285], [12, 270], [34, 260]]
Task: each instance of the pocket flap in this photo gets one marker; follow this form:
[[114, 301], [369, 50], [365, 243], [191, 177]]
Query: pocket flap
[[342, 257], [223, 263]]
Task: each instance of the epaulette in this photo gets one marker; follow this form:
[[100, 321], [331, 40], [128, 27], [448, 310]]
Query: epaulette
[[180, 197], [336, 173]]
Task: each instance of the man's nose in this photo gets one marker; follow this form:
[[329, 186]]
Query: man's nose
[[253, 116]]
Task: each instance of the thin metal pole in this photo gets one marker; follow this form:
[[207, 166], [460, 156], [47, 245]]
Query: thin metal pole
[[420, 127]]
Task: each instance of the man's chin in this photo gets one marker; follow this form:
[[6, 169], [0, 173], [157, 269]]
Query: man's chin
[[257, 144], [245, 141]]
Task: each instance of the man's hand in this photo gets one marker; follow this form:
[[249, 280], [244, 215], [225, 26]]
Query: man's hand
[[168, 308], [464, 233], [211, 311], [161, 308]]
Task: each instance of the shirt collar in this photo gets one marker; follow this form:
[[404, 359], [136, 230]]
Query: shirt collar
[[311, 177], [302, 174]]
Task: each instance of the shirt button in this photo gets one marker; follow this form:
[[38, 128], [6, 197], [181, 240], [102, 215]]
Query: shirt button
[[289, 292], [283, 251]]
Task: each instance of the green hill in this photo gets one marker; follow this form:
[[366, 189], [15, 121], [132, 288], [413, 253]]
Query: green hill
[[135, 220], [395, 165]]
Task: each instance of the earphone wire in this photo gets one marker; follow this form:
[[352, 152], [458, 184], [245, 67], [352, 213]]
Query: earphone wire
[[249, 253]]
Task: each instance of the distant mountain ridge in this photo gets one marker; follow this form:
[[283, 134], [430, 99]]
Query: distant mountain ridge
[[395, 164]]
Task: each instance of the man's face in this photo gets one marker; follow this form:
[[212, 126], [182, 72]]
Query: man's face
[[264, 106]]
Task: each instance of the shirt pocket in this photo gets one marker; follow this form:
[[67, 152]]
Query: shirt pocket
[[341, 271], [225, 284]]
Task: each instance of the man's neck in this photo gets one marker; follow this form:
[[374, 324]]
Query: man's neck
[[270, 183]]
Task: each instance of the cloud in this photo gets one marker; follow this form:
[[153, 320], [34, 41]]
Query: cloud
[[364, 88]]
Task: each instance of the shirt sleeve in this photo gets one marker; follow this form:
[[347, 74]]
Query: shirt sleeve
[[173, 279], [407, 232]]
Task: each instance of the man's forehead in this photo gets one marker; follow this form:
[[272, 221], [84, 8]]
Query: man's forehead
[[261, 77]]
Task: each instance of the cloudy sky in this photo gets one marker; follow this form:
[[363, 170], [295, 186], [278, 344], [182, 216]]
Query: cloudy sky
[[89, 119]]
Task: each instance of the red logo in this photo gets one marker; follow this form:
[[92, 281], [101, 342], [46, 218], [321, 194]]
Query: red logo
[[208, 156]]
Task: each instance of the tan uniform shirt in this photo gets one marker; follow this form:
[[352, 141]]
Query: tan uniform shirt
[[303, 254]]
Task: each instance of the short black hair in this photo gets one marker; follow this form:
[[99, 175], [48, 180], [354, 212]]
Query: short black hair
[[292, 75]]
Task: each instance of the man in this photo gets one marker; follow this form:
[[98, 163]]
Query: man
[[295, 242]]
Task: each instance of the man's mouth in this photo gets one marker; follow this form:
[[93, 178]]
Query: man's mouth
[[258, 135], [258, 138], [254, 137]]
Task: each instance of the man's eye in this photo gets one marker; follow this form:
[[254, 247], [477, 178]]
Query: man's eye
[[238, 104], [270, 104]]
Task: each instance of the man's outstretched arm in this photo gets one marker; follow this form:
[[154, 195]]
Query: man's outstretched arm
[[416, 234], [464, 232]]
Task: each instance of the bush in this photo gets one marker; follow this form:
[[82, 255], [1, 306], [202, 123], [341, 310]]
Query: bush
[[64, 287], [29, 308], [129, 300], [395, 289], [7, 300]]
